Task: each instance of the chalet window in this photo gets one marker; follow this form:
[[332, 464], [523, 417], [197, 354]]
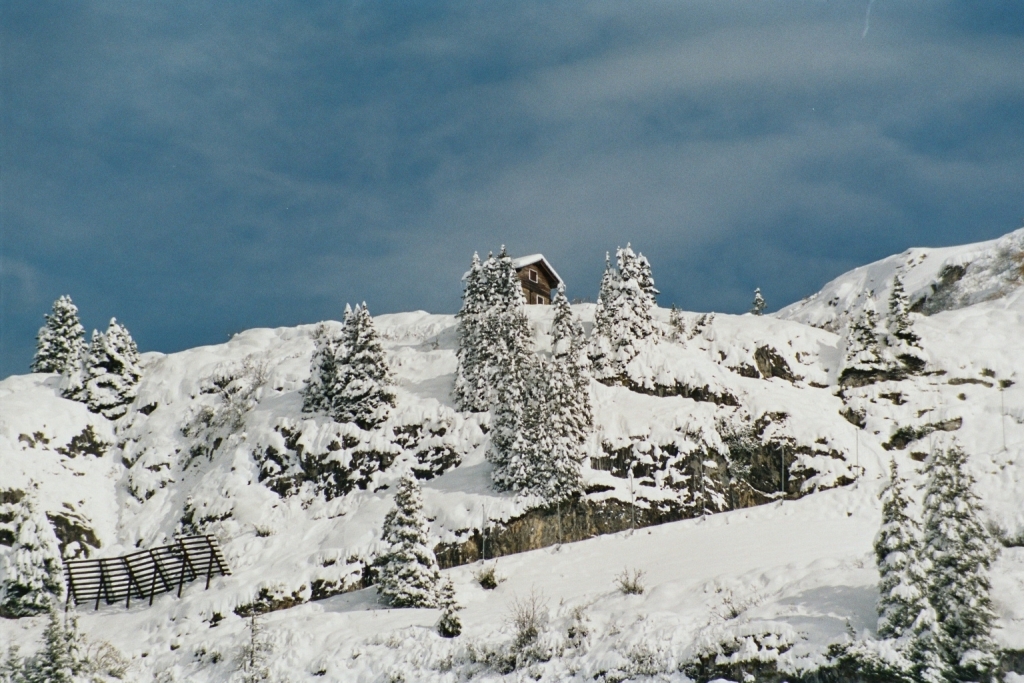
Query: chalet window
[[541, 300], [533, 275]]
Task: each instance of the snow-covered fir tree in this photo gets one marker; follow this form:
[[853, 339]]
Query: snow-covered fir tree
[[600, 343], [959, 551], [903, 582], [33, 573], [569, 347], [473, 391], [364, 394], [866, 358], [63, 657], [901, 338], [507, 332], [623, 316], [60, 344], [449, 625], [757, 308], [408, 576], [112, 373], [324, 378], [13, 667]]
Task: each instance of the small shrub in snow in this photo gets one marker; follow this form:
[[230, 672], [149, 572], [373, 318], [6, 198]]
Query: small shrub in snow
[[631, 582], [449, 625], [107, 660], [488, 577], [528, 616], [577, 634], [408, 576], [60, 344], [33, 572]]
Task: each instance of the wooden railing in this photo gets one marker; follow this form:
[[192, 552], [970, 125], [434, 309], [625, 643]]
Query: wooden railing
[[145, 573]]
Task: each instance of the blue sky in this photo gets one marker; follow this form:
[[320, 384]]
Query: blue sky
[[196, 169]]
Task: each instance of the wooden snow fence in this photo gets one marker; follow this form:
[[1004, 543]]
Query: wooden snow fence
[[145, 573]]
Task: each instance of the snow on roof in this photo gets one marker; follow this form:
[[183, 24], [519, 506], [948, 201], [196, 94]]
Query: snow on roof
[[523, 261]]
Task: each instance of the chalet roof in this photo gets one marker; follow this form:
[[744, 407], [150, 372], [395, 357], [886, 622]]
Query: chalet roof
[[532, 259]]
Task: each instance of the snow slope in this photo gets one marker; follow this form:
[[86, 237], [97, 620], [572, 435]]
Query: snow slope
[[934, 279], [208, 448]]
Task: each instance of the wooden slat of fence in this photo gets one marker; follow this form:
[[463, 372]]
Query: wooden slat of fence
[[145, 571]]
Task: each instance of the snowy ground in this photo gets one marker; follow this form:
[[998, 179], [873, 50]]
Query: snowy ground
[[800, 569]]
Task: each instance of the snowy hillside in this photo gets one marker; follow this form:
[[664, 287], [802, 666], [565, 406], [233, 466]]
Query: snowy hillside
[[935, 279], [729, 431]]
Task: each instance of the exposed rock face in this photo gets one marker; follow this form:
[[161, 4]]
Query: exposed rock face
[[771, 364]]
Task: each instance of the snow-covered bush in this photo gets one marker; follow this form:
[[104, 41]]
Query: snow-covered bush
[[33, 572], [233, 389], [631, 582], [60, 343], [408, 575]]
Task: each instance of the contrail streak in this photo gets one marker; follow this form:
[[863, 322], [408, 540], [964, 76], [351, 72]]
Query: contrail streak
[[867, 20]]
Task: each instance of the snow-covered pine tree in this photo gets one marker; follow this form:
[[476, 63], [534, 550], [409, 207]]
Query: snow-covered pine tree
[[323, 383], [33, 572], [507, 333], [364, 395], [757, 308], [113, 373], [408, 576], [63, 656], [676, 324], [60, 344], [623, 318], [13, 667], [449, 625], [960, 552], [902, 339], [866, 358], [600, 343], [903, 581], [569, 346], [472, 392]]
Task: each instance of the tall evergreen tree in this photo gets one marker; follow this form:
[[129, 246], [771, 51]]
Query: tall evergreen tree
[[903, 580], [473, 391], [60, 344], [113, 372], [757, 308], [623, 318], [13, 667], [866, 358], [604, 321], [960, 552], [901, 338], [324, 378], [33, 572], [409, 575], [507, 333], [364, 394]]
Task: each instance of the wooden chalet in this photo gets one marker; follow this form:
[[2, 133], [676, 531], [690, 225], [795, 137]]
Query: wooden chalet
[[539, 279]]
